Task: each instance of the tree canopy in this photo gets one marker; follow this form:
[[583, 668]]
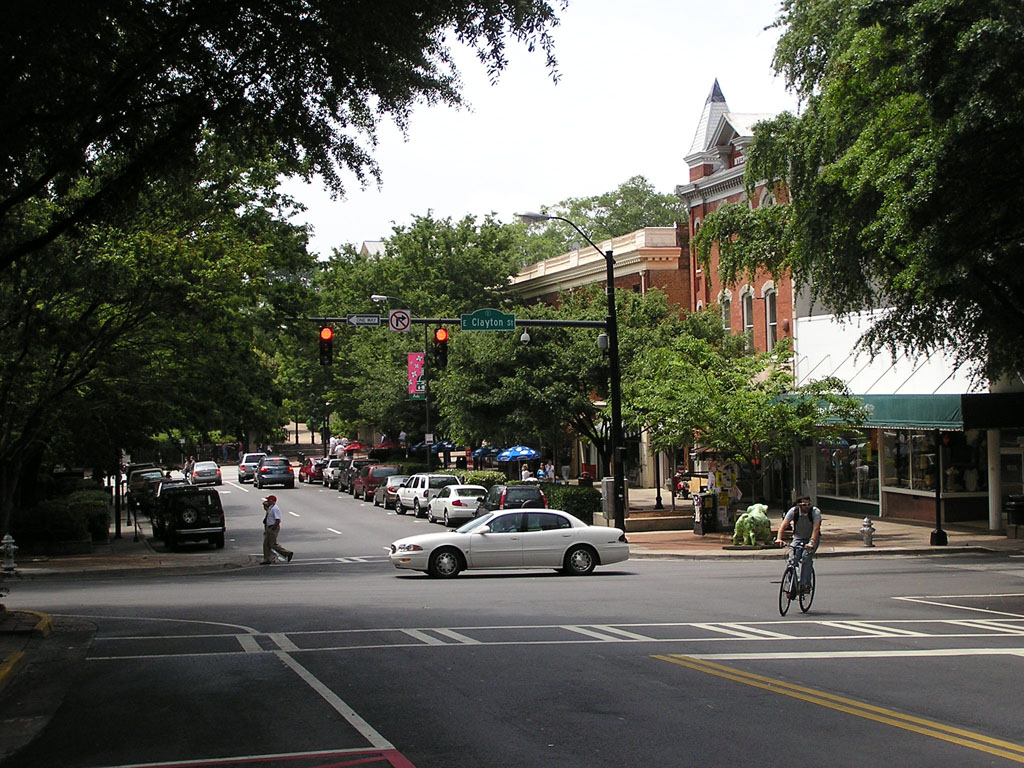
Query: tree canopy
[[903, 170], [105, 97]]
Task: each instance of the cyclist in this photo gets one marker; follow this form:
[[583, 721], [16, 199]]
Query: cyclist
[[806, 522]]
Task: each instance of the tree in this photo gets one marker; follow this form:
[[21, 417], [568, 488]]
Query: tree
[[903, 170], [701, 388], [633, 205], [116, 332], [103, 98]]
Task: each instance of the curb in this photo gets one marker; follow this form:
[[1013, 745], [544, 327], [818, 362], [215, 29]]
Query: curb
[[781, 554]]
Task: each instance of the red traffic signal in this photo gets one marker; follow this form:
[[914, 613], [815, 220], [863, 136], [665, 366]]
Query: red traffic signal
[[441, 335], [326, 345]]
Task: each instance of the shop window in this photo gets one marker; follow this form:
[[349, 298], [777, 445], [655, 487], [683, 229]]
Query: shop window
[[912, 461], [848, 467]]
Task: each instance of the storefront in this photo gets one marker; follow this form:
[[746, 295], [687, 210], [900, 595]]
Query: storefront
[[919, 455]]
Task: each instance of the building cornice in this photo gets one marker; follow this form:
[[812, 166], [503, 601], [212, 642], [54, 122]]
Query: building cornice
[[717, 186]]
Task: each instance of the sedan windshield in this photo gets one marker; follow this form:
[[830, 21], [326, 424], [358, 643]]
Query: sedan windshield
[[475, 523]]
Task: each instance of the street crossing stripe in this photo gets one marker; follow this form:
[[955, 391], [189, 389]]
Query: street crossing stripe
[[980, 742]]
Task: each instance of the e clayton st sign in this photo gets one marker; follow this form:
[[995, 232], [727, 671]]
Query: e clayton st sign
[[488, 320]]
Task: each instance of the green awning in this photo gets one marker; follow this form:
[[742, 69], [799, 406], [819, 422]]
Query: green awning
[[913, 411]]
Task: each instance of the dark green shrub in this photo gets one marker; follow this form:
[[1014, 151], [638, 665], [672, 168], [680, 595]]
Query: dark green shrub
[[578, 501], [94, 506], [62, 522], [484, 477]]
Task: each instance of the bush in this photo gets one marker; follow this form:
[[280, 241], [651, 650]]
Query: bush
[[94, 506], [578, 501], [484, 477]]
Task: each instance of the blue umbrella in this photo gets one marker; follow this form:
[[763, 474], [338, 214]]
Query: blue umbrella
[[518, 453]]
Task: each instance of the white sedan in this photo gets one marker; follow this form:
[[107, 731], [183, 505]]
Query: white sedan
[[455, 502], [514, 538]]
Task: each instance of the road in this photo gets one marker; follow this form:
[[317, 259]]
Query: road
[[338, 659]]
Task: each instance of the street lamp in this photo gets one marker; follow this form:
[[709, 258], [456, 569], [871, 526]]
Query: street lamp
[[612, 327], [380, 297]]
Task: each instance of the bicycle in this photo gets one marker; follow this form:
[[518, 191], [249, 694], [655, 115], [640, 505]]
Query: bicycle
[[789, 589]]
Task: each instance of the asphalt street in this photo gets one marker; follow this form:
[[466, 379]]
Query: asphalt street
[[339, 659]]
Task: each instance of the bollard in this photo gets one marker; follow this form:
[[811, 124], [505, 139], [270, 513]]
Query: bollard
[[867, 532], [8, 548]]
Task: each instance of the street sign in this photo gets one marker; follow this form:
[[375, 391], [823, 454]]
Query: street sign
[[362, 319], [399, 320], [488, 320]]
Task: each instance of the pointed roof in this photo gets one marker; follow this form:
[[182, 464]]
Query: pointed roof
[[715, 109]]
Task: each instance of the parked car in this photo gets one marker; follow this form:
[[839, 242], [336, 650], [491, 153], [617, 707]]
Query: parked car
[[455, 502], [419, 489], [332, 470], [247, 466], [369, 477], [386, 494], [187, 513], [541, 538], [349, 470], [312, 471], [205, 473], [274, 470], [512, 497], [138, 481]]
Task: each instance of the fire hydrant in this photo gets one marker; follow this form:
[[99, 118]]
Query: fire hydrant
[[867, 532], [8, 548]]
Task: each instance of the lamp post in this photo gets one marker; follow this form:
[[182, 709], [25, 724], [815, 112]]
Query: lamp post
[[380, 297], [612, 328]]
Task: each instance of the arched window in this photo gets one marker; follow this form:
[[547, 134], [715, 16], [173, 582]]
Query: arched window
[[771, 313], [748, 315], [725, 300]]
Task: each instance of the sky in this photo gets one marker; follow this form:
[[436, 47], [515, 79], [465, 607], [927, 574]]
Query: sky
[[633, 81]]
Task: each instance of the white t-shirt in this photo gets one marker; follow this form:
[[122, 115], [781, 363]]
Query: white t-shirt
[[273, 515]]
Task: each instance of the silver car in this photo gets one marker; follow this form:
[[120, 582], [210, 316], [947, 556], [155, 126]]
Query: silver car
[[205, 473], [247, 466]]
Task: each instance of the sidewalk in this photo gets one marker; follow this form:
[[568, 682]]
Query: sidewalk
[[840, 536]]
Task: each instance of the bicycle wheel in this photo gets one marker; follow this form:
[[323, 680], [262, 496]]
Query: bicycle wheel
[[806, 598], [786, 589]]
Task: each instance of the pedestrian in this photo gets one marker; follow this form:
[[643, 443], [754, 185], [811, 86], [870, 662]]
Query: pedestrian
[[806, 522], [525, 474], [271, 529]]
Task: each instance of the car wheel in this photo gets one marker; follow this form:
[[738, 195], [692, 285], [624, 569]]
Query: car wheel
[[399, 507], [416, 508], [291, 484], [445, 563], [375, 502], [446, 524], [579, 561], [217, 540]]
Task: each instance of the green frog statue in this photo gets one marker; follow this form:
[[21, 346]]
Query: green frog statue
[[753, 526]]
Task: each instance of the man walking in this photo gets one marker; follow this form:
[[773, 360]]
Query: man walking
[[271, 528]]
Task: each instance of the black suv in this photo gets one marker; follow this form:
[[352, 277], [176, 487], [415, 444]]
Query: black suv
[[512, 497], [187, 513]]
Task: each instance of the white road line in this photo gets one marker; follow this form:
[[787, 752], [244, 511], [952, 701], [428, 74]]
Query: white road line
[[592, 633], [458, 637], [283, 642], [727, 629], [857, 628], [293, 514], [624, 633], [423, 637], [334, 531], [761, 632], [935, 601], [249, 644], [365, 729], [883, 630]]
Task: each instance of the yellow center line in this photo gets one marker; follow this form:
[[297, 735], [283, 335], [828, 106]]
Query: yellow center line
[[997, 747]]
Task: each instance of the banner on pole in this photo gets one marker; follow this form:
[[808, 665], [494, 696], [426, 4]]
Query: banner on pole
[[417, 385]]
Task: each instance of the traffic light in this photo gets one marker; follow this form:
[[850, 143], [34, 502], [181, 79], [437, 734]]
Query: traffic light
[[326, 345], [441, 347]]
